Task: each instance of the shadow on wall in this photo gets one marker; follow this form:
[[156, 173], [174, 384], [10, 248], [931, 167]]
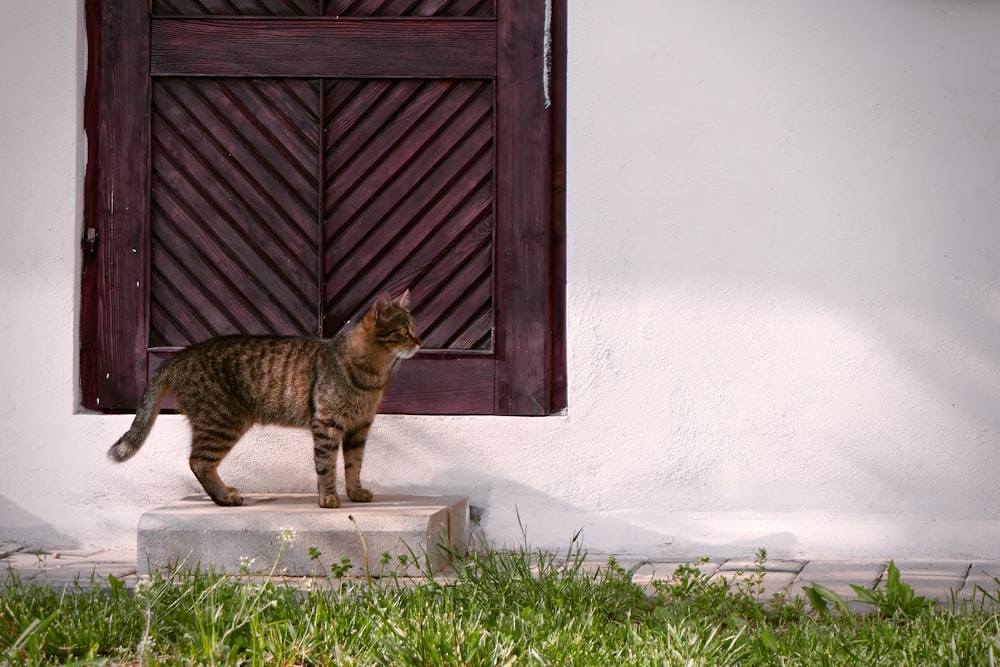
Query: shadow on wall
[[30, 529], [514, 512], [507, 507], [516, 506]]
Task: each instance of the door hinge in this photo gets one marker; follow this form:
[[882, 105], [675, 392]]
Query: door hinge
[[89, 242]]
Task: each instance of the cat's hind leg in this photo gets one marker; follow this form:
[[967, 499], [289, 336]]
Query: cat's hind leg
[[208, 447], [354, 452], [327, 436]]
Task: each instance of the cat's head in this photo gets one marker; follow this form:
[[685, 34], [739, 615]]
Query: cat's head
[[392, 326]]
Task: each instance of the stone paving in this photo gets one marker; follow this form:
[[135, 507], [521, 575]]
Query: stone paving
[[940, 578]]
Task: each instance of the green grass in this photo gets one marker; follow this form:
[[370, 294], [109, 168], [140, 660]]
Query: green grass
[[515, 607]]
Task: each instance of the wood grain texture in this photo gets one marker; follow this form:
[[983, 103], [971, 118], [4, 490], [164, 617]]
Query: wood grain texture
[[440, 384], [559, 393], [409, 8], [113, 309], [234, 220], [346, 8], [409, 183], [237, 7], [327, 47], [524, 234]]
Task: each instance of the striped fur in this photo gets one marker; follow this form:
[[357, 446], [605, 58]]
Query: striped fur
[[333, 387]]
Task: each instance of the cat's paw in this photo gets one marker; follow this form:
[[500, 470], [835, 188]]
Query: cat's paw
[[360, 495], [331, 501], [231, 498]]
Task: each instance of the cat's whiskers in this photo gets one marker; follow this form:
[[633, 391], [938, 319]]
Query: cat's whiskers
[[393, 366]]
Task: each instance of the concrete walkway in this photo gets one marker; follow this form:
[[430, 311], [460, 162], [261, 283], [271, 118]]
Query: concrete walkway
[[933, 578]]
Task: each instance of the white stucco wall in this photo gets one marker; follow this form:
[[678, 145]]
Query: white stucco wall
[[783, 296]]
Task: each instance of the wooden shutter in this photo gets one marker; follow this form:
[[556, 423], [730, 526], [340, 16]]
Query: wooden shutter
[[272, 166]]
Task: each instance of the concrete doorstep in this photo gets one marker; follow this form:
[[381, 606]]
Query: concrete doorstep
[[290, 535]]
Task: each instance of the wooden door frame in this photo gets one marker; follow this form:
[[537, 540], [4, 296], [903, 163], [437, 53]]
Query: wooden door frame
[[529, 373]]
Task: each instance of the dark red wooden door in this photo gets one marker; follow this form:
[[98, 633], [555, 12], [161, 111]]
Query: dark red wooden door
[[303, 157]]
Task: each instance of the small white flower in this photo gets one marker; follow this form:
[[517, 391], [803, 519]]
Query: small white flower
[[287, 535], [146, 645]]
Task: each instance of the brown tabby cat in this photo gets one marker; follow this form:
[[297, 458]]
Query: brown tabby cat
[[334, 386]]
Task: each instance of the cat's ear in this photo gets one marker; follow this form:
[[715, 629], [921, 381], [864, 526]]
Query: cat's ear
[[404, 300], [382, 304]]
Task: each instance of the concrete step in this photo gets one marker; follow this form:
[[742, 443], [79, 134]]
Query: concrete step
[[289, 534]]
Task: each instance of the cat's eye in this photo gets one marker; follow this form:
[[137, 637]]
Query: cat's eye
[[404, 331]]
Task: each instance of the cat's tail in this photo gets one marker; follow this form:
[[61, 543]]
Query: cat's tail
[[145, 415]]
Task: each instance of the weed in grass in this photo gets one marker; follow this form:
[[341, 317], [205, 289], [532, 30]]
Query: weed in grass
[[735, 601], [896, 600]]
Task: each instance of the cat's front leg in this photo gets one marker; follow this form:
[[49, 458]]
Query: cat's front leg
[[354, 452], [327, 436]]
